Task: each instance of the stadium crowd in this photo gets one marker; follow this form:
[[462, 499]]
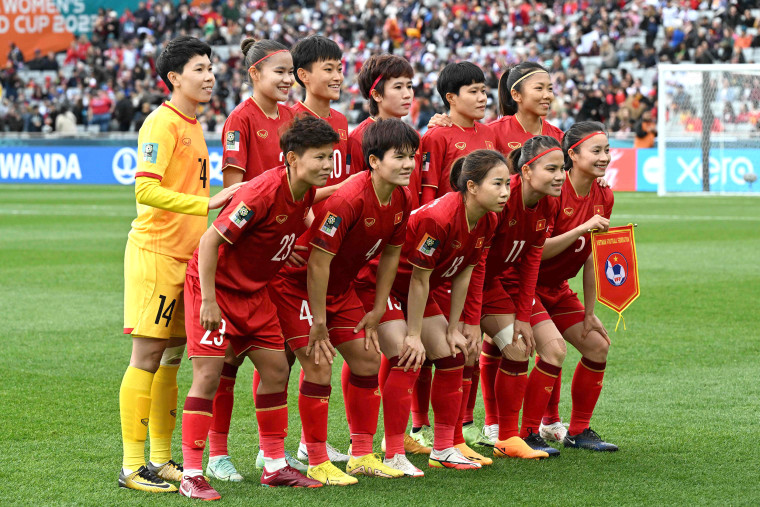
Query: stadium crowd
[[602, 55]]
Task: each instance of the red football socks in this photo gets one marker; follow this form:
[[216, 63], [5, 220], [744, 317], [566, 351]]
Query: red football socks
[[446, 398], [537, 394], [466, 385], [272, 417], [385, 370], [313, 403], [196, 421], [421, 396], [587, 385], [489, 366], [345, 375], [224, 399], [473, 398], [511, 380], [363, 403], [397, 401], [551, 414]]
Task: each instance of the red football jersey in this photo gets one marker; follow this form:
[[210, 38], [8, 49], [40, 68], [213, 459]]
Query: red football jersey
[[515, 254], [438, 238], [573, 210], [340, 124], [511, 135], [260, 224], [251, 139], [356, 160], [441, 146], [355, 228]]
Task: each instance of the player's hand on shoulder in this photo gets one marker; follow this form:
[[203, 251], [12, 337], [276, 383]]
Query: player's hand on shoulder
[[440, 120], [602, 182], [221, 198], [211, 315]]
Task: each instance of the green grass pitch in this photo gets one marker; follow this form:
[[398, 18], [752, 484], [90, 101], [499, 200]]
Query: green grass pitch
[[680, 396]]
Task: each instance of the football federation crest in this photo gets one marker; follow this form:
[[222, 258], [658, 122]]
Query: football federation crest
[[489, 145], [541, 224], [426, 161], [480, 241], [369, 222], [428, 245], [398, 218], [330, 224], [461, 145], [241, 215], [598, 209], [281, 218], [149, 152], [343, 135], [569, 211], [616, 269], [262, 133], [232, 140], [514, 145]]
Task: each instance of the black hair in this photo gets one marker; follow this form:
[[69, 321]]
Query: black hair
[[530, 149], [456, 75], [385, 135], [507, 105], [177, 53], [307, 131], [386, 65], [312, 49], [474, 167], [577, 132], [254, 51]]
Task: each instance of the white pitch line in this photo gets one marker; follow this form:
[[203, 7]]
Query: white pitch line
[[686, 218]]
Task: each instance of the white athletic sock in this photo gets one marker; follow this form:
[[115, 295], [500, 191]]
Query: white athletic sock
[[274, 464], [192, 473]]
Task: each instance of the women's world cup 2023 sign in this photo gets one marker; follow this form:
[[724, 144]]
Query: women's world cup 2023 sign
[[616, 269]]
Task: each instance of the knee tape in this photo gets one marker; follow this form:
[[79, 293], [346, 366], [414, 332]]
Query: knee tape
[[504, 337], [172, 355]]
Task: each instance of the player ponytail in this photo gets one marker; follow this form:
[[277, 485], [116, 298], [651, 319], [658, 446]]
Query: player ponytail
[[474, 167], [576, 136], [255, 53], [376, 71], [530, 152], [513, 78]]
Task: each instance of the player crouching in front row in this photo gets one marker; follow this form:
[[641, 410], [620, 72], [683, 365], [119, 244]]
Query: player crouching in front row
[[227, 300]]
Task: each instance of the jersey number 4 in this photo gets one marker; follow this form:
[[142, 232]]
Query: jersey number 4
[[204, 177]]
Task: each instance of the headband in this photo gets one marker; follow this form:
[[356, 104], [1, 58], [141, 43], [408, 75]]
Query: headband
[[526, 75], [267, 56], [586, 138], [541, 155], [369, 95]]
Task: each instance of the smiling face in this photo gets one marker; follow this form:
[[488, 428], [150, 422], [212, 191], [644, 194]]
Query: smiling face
[[535, 94], [274, 77], [196, 81], [592, 156], [547, 174], [492, 193], [324, 80], [470, 102], [395, 167], [314, 166], [396, 98]]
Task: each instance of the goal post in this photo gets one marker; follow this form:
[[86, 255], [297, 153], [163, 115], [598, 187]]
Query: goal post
[[708, 128]]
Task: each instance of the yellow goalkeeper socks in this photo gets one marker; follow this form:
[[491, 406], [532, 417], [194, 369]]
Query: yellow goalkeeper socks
[[163, 413], [134, 405]]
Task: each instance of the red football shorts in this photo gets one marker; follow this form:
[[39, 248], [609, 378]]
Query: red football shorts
[[563, 305], [499, 299], [344, 312], [396, 308], [249, 321]]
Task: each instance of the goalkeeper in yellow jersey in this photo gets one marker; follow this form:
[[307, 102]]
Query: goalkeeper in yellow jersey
[[172, 192]]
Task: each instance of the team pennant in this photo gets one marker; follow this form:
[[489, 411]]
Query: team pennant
[[617, 273]]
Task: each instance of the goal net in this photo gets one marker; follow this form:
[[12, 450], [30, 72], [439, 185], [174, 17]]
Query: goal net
[[708, 128]]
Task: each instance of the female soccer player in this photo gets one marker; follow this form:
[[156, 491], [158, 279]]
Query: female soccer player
[[584, 206], [320, 310], [512, 315], [444, 240], [228, 303]]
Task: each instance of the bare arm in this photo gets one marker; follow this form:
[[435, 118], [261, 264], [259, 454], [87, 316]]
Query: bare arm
[[558, 244], [317, 276], [208, 256]]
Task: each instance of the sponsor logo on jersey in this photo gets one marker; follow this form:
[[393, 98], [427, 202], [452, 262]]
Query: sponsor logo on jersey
[[369, 222], [480, 241], [569, 211], [144, 421], [616, 269], [232, 140], [330, 224], [428, 245], [241, 215], [398, 218], [461, 145], [173, 413], [512, 222], [598, 209], [149, 152], [549, 389], [489, 145], [456, 244], [281, 218], [262, 133], [186, 141], [426, 161], [513, 145], [541, 224], [342, 134], [200, 443]]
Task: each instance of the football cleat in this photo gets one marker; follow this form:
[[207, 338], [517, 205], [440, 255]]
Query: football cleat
[[473, 436], [401, 462], [588, 439], [537, 443], [292, 461], [198, 487], [371, 466], [491, 432], [451, 458], [515, 447], [169, 471], [288, 476], [330, 475], [145, 480], [555, 431], [424, 436], [222, 469], [472, 455], [411, 446], [333, 454]]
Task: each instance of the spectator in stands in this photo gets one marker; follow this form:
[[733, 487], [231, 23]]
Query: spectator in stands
[[66, 122], [99, 110], [646, 131], [123, 111]]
